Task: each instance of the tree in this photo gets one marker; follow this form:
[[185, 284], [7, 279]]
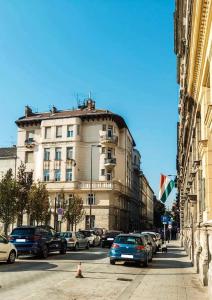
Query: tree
[[8, 201], [74, 212], [24, 181], [159, 210], [38, 203]]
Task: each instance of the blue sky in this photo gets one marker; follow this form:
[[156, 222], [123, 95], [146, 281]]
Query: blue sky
[[120, 50]]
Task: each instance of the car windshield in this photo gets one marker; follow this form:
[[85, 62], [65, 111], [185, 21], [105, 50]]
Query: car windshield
[[112, 233], [132, 240], [86, 233], [66, 234], [23, 231]]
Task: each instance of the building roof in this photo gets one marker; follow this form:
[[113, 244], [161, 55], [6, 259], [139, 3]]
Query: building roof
[[83, 113], [9, 152]]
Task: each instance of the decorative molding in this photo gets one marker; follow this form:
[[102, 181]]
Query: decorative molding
[[208, 116], [202, 146], [200, 45]]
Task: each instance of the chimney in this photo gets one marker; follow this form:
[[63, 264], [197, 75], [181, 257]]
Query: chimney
[[90, 104], [28, 111]]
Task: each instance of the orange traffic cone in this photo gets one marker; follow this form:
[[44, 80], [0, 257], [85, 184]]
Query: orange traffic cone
[[79, 271]]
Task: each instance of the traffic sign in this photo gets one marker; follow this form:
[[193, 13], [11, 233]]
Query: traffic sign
[[60, 211], [164, 219], [170, 226]]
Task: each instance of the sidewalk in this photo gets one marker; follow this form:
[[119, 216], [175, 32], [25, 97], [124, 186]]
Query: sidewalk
[[170, 277]]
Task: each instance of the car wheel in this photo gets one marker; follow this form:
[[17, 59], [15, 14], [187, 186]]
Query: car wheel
[[12, 257], [112, 261], [145, 263], [88, 246], [63, 250], [44, 252], [76, 248]]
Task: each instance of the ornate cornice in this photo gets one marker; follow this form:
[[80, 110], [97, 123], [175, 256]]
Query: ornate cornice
[[203, 8]]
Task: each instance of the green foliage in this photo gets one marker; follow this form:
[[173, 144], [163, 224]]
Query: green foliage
[[74, 212], [24, 182], [38, 204], [8, 201]]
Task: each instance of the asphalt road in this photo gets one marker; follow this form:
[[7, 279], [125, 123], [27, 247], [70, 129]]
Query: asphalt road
[[54, 278]]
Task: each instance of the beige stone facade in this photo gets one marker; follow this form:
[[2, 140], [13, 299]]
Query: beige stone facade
[[193, 47], [90, 153]]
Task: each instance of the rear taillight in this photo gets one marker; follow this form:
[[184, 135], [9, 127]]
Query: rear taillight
[[115, 246], [140, 247], [11, 238]]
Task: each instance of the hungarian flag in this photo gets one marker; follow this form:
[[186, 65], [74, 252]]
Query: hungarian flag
[[166, 186]]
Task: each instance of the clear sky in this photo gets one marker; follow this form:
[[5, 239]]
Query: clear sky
[[120, 50]]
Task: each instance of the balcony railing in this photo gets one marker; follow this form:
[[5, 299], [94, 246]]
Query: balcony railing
[[108, 139], [30, 142], [110, 162]]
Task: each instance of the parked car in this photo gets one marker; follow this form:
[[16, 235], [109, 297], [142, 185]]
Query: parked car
[[92, 238], [149, 245], [156, 237], [129, 247], [37, 240], [108, 238], [75, 240], [8, 251]]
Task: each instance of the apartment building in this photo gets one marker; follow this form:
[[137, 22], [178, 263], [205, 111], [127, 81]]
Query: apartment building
[[87, 152], [193, 47]]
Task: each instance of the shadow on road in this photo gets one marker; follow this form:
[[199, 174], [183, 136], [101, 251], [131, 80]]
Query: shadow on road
[[27, 266]]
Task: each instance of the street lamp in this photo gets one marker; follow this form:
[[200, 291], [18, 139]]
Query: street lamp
[[91, 178]]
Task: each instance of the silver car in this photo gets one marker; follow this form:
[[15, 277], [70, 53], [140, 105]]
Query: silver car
[[8, 251], [75, 240]]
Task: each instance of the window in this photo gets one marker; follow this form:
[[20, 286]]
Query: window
[[69, 153], [57, 153], [46, 154], [91, 199], [47, 132], [58, 131], [110, 131], [109, 176], [87, 222], [68, 174], [30, 136], [46, 175], [102, 172], [78, 129], [57, 175], [109, 153], [70, 131], [29, 157], [103, 150], [104, 127]]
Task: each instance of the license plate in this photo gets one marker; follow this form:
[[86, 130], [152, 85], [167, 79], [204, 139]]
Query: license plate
[[110, 239], [21, 240], [126, 256]]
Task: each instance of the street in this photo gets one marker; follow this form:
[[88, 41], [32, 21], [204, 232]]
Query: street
[[169, 276]]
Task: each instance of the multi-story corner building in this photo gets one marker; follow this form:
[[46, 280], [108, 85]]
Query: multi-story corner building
[[193, 47], [87, 152]]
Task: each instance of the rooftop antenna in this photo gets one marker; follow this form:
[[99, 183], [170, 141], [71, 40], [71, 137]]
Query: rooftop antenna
[[89, 95]]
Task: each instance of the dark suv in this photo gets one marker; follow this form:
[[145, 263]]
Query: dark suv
[[108, 238], [37, 240]]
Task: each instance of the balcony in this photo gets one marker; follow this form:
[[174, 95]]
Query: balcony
[[110, 162], [29, 143], [109, 140]]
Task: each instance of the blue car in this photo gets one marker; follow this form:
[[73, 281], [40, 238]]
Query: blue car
[[129, 247]]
